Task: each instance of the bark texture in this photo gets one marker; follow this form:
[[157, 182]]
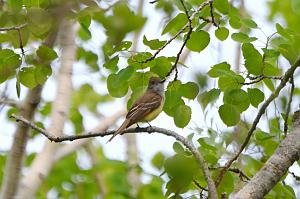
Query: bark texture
[[270, 174]]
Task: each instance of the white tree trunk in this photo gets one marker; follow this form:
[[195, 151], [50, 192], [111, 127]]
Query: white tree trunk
[[43, 163]]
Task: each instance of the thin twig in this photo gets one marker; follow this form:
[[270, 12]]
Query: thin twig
[[289, 73], [297, 178], [288, 109], [212, 14], [203, 5], [196, 183], [13, 27], [190, 27], [151, 129], [233, 170]]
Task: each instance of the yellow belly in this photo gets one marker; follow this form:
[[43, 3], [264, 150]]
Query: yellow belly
[[154, 114]]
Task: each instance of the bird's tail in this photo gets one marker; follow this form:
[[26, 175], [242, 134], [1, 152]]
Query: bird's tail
[[120, 129]]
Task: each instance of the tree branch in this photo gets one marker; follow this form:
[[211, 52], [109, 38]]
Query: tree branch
[[289, 73], [288, 109], [276, 166], [13, 27], [183, 140]]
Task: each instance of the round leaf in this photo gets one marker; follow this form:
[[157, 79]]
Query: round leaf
[[256, 96], [27, 77], [189, 90], [198, 41], [237, 97], [222, 33], [182, 116], [229, 114]]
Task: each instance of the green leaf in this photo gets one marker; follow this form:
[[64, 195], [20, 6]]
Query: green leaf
[[42, 73], [112, 64], [117, 84], [221, 5], [161, 66], [178, 148], [175, 24], [39, 22], [256, 96], [15, 5], [182, 116], [198, 41], [229, 114], [242, 38], [45, 53], [269, 84], [122, 46], [9, 62], [249, 23], [27, 77], [253, 59], [230, 82], [208, 97], [219, 69], [153, 44], [18, 88], [84, 33], [222, 33], [235, 22], [173, 98], [158, 160], [189, 90], [136, 61], [237, 97]]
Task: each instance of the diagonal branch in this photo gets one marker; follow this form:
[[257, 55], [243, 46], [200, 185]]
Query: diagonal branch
[[289, 73], [183, 140], [276, 167], [288, 109]]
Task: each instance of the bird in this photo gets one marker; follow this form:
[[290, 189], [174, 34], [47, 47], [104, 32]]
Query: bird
[[147, 107]]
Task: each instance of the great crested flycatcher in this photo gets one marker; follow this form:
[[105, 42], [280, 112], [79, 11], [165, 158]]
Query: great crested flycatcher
[[147, 107]]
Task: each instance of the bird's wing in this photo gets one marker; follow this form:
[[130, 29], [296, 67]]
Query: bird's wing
[[143, 106]]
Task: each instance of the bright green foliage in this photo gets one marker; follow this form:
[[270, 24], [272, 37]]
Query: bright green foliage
[[242, 38], [40, 22], [198, 41], [208, 97], [253, 59], [222, 33], [158, 160], [249, 23], [229, 114], [91, 59], [153, 44], [256, 96], [182, 116], [9, 62], [117, 84], [46, 54], [189, 90], [237, 97], [137, 61], [161, 66], [175, 24], [222, 6]]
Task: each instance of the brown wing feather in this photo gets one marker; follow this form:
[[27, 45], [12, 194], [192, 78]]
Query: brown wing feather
[[143, 106]]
